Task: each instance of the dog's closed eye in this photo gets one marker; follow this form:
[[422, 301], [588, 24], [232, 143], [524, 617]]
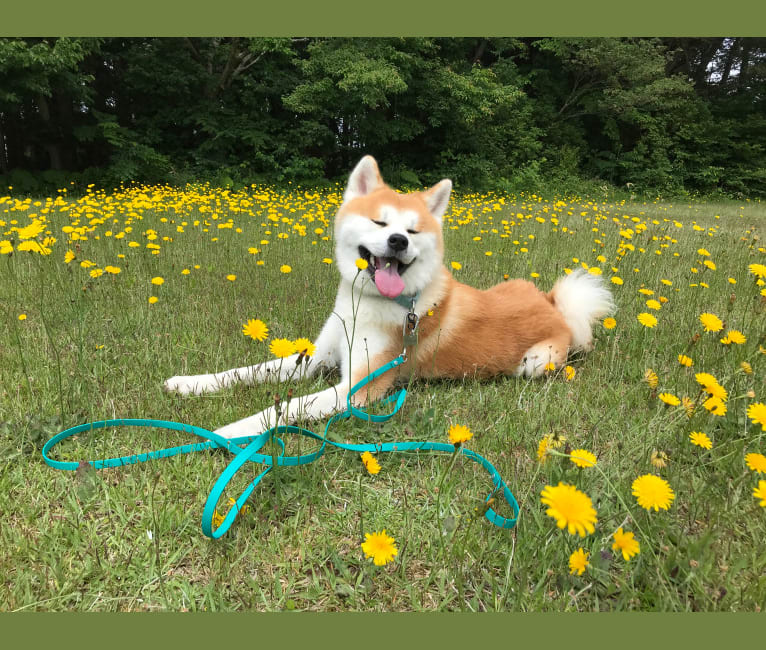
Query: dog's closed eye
[[380, 223]]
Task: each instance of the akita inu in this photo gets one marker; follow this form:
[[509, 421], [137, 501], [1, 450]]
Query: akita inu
[[510, 329]]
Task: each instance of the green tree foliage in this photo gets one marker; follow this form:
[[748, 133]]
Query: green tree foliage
[[672, 115]]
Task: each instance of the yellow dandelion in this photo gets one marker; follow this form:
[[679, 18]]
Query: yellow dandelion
[[550, 367], [651, 378], [305, 346], [578, 562], [456, 265], [371, 463], [616, 280], [281, 348], [158, 281], [256, 329], [231, 277], [68, 257], [626, 543], [326, 260], [570, 508], [22, 317], [711, 322], [285, 268], [758, 270], [380, 547], [459, 434], [653, 304], [756, 463], [688, 405], [734, 336], [715, 405], [361, 263], [647, 320], [542, 449], [153, 299], [583, 458], [760, 493], [701, 440], [685, 361], [652, 492], [746, 368], [569, 373], [609, 323], [658, 458], [669, 399]]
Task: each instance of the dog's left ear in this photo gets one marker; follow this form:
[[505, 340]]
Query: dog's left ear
[[437, 197], [364, 179]]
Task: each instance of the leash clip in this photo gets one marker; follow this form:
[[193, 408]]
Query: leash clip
[[410, 330]]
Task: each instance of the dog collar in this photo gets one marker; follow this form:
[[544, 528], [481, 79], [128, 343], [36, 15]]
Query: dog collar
[[406, 301]]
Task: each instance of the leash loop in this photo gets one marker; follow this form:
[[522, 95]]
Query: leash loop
[[253, 444]]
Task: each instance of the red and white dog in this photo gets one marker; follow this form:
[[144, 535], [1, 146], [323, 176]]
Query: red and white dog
[[511, 329]]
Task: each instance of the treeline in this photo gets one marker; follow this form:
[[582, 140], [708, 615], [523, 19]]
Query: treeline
[[670, 115]]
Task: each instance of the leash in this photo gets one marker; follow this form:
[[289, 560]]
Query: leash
[[253, 445]]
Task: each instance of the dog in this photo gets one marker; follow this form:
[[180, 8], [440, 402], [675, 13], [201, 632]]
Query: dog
[[510, 329]]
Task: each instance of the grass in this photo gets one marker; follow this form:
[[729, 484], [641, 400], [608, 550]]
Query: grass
[[92, 348]]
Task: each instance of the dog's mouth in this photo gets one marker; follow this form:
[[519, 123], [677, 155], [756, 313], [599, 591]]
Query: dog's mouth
[[386, 272]]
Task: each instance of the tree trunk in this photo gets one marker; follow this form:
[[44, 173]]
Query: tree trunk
[[50, 146]]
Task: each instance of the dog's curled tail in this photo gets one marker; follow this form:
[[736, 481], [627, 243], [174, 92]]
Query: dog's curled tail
[[582, 298]]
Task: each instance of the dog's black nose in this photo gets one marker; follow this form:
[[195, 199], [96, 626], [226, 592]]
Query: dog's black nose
[[398, 242]]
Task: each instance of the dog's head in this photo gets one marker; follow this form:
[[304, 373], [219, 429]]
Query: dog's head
[[399, 235]]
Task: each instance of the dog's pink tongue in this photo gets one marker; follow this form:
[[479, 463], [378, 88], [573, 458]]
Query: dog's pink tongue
[[387, 279]]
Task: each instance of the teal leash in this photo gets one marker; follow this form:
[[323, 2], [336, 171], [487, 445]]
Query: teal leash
[[254, 444]]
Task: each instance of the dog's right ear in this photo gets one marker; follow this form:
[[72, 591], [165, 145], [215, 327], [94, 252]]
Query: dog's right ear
[[364, 179]]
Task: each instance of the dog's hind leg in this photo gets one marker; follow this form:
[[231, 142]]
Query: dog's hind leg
[[553, 350]]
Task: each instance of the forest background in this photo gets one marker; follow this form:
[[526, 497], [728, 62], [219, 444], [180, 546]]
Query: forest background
[[662, 116]]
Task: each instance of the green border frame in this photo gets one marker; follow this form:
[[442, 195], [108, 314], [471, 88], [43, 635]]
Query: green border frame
[[402, 18], [392, 17]]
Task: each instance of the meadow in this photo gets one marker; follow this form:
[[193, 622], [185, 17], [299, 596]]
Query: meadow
[[639, 467]]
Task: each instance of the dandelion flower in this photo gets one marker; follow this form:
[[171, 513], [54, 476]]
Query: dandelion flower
[[653, 304], [651, 378], [758, 270], [282, 348], [542, 449], [583, 458], [578, 561], [711, 322], [459, 434], [256, 329], [760, 493], [550, 366], [231, 277], [68, 257], [700, 439], [647, 320], [685, 361], [158, 281], [756, 463], [626, 543], [715, 405], [285, 268], [456, 265], [361, 263], [570, 508], [705, 379], [609, 323], [569, 373], [746, 368], [326, 260], [734, 336], [652, 492], [305, 346], [22, 317], [153, 299], [371, 463], [688, 405], [380, 547], [659, 459], [669, 399], [616, 280]]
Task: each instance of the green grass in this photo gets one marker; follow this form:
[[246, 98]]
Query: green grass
[[94, 348]]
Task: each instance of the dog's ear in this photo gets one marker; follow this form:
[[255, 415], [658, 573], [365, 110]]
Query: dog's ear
[[437, 197], [364, 179]]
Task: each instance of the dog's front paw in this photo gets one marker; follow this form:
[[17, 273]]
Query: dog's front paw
[[191, 385]]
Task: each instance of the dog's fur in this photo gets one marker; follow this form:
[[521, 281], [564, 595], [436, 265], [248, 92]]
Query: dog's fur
[[511, 329]]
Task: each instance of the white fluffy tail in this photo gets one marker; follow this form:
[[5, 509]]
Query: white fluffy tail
[[582, 298]]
